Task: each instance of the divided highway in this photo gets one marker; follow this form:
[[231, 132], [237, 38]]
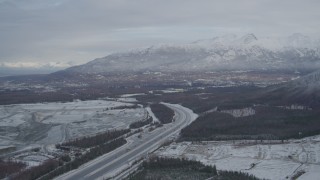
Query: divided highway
[[113, 163]]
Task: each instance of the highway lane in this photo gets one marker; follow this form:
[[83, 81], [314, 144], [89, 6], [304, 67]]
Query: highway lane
[[111, 163]]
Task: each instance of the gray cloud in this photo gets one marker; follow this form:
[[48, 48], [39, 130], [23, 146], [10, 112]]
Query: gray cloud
[[81, 30]]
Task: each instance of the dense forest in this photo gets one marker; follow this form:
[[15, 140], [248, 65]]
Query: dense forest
[[171, 169], [270, 121], [202, 100], [163, 113], [266, 123]]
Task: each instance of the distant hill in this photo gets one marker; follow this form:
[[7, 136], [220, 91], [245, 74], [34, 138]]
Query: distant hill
[[305, 90]]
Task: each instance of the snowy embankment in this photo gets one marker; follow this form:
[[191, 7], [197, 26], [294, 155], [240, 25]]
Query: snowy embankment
[[155, 119], [266, 159]]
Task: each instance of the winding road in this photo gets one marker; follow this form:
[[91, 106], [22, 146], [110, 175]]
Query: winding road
[[115, 162]]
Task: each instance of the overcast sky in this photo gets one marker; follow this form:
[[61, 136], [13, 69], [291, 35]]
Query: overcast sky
[[68, 32]]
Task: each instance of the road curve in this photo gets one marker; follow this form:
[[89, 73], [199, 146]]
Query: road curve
[[112, 163]]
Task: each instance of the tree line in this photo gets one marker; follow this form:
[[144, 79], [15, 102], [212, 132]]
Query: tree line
[[161, 162], [91, 141], [134, 106], [139, 124]]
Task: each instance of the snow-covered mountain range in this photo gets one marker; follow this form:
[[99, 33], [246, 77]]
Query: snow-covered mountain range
[[228, 52]]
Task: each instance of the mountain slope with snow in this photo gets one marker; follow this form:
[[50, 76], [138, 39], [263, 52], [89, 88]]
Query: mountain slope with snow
[[229, 52]]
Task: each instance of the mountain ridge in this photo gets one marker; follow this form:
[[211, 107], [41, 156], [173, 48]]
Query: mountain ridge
[[220, 53]]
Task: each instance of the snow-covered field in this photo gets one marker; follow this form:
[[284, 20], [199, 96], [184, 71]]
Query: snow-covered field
[[32, 158], [50, 123], [268, 159]]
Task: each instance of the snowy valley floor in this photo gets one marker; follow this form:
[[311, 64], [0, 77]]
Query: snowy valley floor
[[266, 159], [26, 127]]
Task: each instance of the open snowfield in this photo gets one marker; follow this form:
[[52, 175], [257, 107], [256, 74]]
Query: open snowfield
[[50, 123], [268, 159]]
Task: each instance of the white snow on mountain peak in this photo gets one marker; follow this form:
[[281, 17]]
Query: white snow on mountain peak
[[247, 52], [247, 39]]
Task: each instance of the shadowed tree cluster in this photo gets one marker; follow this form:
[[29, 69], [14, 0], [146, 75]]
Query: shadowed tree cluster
[[10, 167], [163, 113]]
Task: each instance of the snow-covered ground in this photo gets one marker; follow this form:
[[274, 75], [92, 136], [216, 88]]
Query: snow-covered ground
[[131, 95], [268, 159], [155, 119], [32, 159], [240, 112], [50, 123]]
